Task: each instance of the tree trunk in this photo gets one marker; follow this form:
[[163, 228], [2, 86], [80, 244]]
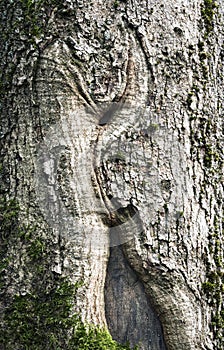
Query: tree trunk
[[112, 164]]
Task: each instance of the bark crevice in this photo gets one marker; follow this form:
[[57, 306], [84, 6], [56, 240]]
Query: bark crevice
[[129, 314]]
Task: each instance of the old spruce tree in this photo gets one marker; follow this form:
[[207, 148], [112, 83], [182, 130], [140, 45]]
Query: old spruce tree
[[111, 174]]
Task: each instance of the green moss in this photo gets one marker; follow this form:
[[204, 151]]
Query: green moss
[[36, 249], [45, 321], [214, 285], [218, 321], [116, 4], [31, 318], [33, 13], [9, 211], [216, 226], [208, 155], [153, 128], [31, 10], [208, 10], [209, 287]]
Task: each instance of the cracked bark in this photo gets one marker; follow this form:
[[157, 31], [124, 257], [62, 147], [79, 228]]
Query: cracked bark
[[112, 133]]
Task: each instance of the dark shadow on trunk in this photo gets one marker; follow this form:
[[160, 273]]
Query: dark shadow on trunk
[[129, 315]]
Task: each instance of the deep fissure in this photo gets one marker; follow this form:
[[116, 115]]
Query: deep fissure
[[129, 314]]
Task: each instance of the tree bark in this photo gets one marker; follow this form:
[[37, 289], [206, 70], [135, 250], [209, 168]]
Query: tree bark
[[112, 144]]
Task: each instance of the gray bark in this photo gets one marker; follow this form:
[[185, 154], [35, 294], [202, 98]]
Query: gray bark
[[112, 135]]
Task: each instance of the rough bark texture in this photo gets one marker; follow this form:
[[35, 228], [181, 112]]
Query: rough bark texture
[[112, 133]]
